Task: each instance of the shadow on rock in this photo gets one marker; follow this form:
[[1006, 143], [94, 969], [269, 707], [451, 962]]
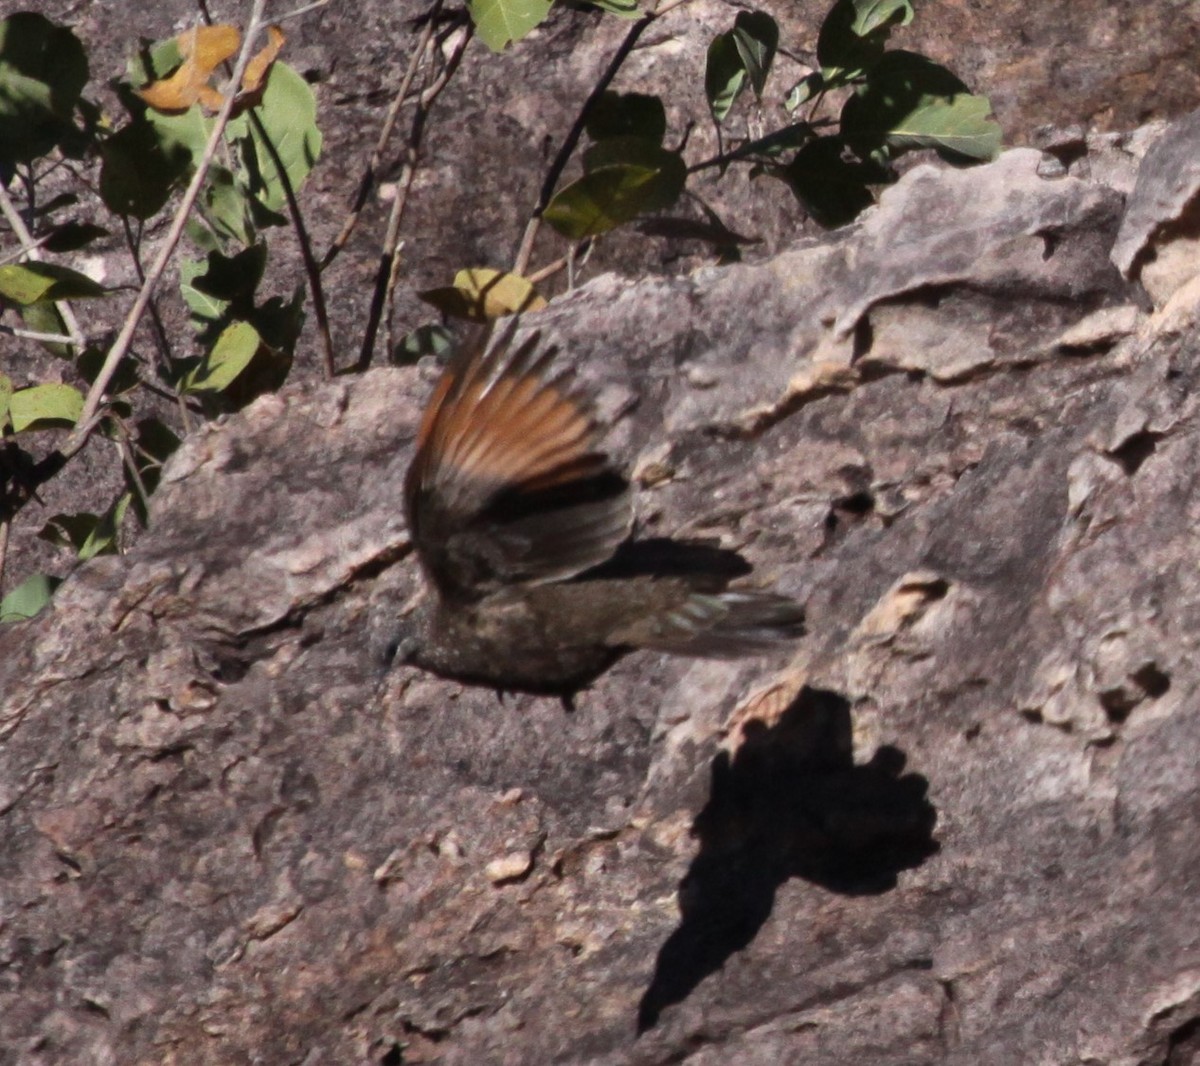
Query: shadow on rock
[[790, 803]]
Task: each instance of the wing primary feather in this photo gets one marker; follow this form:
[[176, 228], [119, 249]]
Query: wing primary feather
[[507, 485]]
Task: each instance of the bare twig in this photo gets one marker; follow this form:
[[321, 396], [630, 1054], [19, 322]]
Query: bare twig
[[125, 446], [754, 148], [34, 335], [25, 249], [121, 345], [389, 341], [386, 274], [301, 11], [373, 164], [31, 249], [548, 271]]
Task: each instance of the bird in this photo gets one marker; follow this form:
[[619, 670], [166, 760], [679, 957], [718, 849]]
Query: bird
[[522, 528]]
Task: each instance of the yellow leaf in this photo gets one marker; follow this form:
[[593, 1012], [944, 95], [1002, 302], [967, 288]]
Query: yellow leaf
[[209, 98], [480, 294], [203, 49], [256, 69]]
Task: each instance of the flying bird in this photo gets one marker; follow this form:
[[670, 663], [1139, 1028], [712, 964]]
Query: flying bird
[[522, 528]]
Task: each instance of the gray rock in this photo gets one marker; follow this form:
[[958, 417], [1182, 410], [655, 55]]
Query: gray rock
[[957, 827], [1168, 181]]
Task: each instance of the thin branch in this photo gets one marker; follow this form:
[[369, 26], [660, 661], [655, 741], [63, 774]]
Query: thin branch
[[386, 274], [24, 250], [373, 164], [125, 447], [34, 335], [548, 271], [125, 337], [393, 278], [31, 248], [755, 149], [301, 11]]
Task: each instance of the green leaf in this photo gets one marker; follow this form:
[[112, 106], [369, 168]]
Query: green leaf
[[287, 114], [625, 177], [231, 278], [182, 135], [28, 598], [140, 168], [843, 53], [959, 126], [499, 21], [206, 309], [220, 288], [640, 153], [664, 189], [230, 356], [804, 90], [240, 367], [31, 283], [830, 187], [224, 204], [103, 539], [6, 391], [154, 60], [43, 70], [433, 339], [625, 9], [44, 405], [871, 15], [756, 37], [724, 75], [46, 318], [745, 52], [87, 534], [220, 291], [627, 115], [909, 101], [600, 201]]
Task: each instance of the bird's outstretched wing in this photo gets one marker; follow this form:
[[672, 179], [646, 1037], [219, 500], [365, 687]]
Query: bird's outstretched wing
[[507, 486]]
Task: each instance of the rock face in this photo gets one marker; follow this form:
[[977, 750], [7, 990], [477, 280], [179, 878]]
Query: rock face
[[957, 827]]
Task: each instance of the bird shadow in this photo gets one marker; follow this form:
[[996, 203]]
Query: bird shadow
[[790, 803]]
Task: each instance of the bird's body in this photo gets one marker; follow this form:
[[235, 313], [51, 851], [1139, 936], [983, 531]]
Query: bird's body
[[517, 519], [515, 638], [555, 638]]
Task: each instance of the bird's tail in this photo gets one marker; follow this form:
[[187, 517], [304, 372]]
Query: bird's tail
[[724, 625]]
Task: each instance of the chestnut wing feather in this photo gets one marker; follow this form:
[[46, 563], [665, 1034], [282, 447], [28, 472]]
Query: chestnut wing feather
[[507, 486]]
